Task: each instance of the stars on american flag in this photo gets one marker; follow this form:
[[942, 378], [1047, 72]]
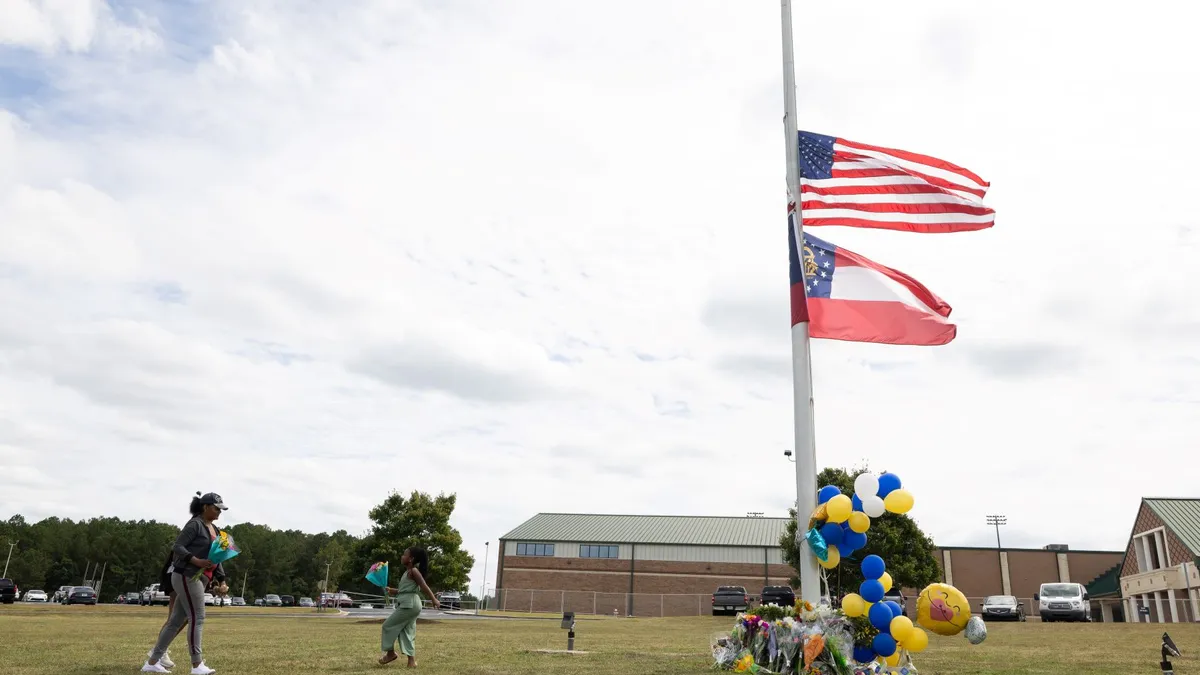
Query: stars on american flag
[[816, 155]]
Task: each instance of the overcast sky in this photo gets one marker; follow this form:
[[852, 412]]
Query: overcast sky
[[303, 253]]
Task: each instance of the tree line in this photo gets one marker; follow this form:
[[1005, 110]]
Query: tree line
[[57, 552]]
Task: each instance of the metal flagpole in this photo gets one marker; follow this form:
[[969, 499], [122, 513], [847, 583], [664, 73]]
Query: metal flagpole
[[805, 441]]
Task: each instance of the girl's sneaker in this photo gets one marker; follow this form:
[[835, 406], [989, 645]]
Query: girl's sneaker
[[202, 669], [165, 661], [156, 668]]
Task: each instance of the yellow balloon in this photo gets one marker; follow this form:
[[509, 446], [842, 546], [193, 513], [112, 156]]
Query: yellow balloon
[[859, 522], [853, 605], [838, 509], [831, 561], [916, 641], [898, 501], [900, 628], [886, 580], [893, 660]]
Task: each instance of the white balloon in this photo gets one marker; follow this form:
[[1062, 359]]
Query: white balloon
[[873, 506], [866, 486]]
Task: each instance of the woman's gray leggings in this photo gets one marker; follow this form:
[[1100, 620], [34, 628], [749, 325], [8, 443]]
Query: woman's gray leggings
[[189, 609]]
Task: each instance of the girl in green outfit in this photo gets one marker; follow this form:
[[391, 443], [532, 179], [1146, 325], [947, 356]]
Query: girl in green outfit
[[402, 624]]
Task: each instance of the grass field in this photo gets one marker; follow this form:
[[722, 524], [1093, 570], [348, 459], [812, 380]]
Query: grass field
[[53, 640]]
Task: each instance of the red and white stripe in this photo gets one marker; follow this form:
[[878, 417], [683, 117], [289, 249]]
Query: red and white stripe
[[872, 303], [884, 188]]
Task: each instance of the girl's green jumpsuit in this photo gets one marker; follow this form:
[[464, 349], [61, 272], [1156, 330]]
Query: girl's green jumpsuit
[[402, 624]]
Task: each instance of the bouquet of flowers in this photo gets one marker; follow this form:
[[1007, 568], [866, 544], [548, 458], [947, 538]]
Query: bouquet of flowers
[[378, 574], [223, 548]]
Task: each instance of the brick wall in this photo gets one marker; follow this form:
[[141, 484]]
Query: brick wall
[[1028, 570]]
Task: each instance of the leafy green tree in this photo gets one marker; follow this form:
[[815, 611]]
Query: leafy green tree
[[335, 555], [424, 521], [906, 550]]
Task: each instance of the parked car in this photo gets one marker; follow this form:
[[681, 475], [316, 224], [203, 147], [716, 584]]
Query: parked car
[[1063, 602], [153, 595], [36, 596], [783, 596], [344, 600], [210, 599], [9, 591], [305, 602], [82, 595], [897, 596], [258, 602], [730, 600], [61, 594], [450, 600], [272, 600], [1002, 608], [237, 602], [287, 600]]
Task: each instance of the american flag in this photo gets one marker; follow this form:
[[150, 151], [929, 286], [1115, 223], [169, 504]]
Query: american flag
[[858, 185]]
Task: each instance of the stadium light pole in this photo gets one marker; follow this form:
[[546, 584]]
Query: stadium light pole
[[997, 521]]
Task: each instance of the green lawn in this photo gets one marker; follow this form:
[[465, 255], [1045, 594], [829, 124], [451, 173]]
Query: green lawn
[[53, 640]]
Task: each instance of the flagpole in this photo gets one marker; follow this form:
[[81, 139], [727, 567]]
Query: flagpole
[[805, 440]]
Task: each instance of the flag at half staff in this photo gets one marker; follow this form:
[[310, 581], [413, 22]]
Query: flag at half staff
[[859, 185], [858, 300]]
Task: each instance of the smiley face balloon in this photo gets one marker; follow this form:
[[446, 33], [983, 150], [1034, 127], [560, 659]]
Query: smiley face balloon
[[943, 609]]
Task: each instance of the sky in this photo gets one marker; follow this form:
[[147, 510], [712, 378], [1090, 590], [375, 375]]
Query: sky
[[534, 253]]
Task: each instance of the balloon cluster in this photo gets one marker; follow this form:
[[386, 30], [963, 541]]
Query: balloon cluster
[[839, 526], [896, 631]]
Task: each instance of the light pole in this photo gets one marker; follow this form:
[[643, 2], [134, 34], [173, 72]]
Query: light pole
[[788, 454], [9, 558], [326, 589], [483, 589], [997, 521]]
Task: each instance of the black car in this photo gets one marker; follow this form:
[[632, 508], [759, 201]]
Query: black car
[[9, 591], [82, 595], [783, 596], [897, 597], [287, 600]]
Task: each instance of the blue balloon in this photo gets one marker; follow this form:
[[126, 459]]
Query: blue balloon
[[888, 482], [871, 590], [832, 532], [856, 503], [853, 540], [897, 610], [863, 654], [884, 644], [881, 616], [873, 567], [828, 492]]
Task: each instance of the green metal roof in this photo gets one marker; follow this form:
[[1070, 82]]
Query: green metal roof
[[1182, 516], [618, 529]]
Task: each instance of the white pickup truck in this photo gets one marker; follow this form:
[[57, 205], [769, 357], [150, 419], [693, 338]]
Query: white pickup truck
[[152, 596]]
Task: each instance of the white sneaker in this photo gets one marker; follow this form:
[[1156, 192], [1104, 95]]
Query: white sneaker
[[202, 670], [165, 661], [156, 668]]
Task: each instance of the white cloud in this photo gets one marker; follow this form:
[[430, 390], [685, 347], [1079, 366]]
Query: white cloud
[[534, 255]]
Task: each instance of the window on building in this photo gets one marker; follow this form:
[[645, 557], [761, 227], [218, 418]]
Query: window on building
[[535, 549], [598, 551]]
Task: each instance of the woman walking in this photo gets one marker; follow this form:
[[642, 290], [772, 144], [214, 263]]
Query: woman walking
[[189, 561], [402, 624], [164, 584]]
